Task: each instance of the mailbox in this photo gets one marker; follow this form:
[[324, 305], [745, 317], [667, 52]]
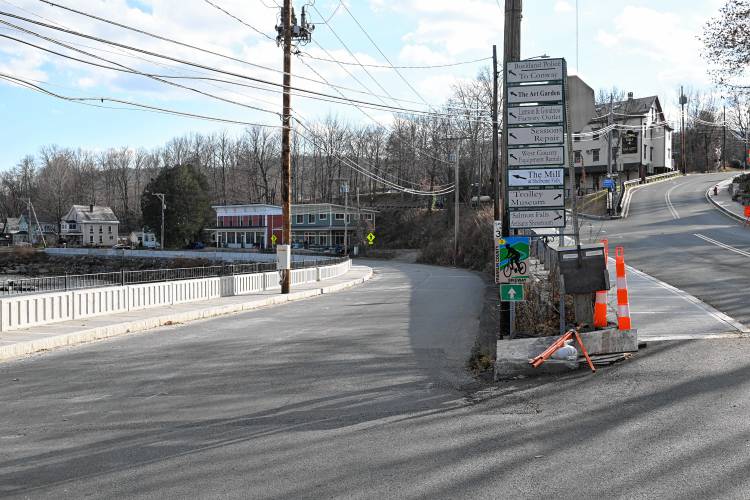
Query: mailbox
[[583, 268]]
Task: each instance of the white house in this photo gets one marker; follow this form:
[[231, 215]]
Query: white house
[[641, 142], [143, 238], [90, 225]]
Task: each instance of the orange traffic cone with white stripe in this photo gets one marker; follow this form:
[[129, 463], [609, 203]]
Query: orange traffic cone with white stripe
[[600, 306], [623, 305]]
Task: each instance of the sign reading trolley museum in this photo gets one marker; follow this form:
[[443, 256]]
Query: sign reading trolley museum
[[536, 134]]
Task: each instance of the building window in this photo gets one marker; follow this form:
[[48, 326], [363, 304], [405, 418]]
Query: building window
[[91, 238], [576, 138], [651, 154], [339, 216], [91, 230], [595, 154], [311, 218], [577, 155], [109, 229], [323, 216], [368, 216], [111, 238], [644, 151], [101, 229], [300, 219], [100, 238], [596, 135]]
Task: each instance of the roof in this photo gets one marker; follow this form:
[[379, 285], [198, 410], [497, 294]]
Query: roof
[[635, 106], [97, 214]]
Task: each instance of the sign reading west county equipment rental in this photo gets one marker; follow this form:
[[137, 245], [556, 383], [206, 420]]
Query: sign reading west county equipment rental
[[532, 157], [536, 198], [536, 136], [525, 219], [526, 177], [537, 70], [535, 93], [521, 115]]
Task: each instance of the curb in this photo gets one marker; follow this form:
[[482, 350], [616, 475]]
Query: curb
[[723, 210], [21, 349]]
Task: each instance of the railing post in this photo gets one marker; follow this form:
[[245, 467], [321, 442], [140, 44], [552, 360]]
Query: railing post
[[122, 277]]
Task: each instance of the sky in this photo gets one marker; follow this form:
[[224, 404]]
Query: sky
[[644, 47]]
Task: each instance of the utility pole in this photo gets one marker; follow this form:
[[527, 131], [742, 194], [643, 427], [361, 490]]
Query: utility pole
[[455, 208], [724, 138], [683, 101], [303, 34], [162, 199], [511, 52], [495, 131], [610, 198]]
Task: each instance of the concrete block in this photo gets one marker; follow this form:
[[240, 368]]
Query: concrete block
[[513, 355]]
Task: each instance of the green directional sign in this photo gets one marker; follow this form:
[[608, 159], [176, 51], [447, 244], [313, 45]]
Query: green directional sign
[[511, 293]]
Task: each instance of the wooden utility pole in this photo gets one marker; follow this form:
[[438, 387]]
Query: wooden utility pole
[[683, 101], [286, 157], [495, 130], [724, 139], [511, 52]]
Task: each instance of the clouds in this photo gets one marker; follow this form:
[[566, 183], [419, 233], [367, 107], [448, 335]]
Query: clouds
[[562, 6]]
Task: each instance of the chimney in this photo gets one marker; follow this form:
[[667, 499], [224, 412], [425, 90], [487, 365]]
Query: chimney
[[91, 208], [630, 96]]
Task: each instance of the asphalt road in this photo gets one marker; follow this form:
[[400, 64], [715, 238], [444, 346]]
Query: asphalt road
[[676, 235], [351, 395]]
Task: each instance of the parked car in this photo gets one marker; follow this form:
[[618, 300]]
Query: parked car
[[197, 245]]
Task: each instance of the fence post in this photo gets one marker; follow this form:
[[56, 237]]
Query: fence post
[[122, 277]]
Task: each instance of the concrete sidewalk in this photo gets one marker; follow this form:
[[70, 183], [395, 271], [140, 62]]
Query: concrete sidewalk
[[723, 201], [19, 343]]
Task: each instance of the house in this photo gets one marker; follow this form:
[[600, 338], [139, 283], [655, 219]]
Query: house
[[323, 224], [255, 225], [641, 142], [90, 225], [142, 239], [12, 233], [37, 231]]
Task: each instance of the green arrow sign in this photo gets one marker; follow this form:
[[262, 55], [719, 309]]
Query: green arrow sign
[[511, 293]]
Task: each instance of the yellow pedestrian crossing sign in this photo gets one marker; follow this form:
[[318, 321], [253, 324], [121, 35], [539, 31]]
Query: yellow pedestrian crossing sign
[[371, 238]]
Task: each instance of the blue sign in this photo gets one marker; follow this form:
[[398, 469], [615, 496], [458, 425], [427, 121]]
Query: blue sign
[[608, 184]]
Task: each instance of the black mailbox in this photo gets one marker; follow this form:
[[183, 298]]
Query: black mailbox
[[583, 268]]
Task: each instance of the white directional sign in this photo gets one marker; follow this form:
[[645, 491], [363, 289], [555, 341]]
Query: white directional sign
[[531, 157], [536, 136], [520, 219], [535, 114], [535, 93], [536, 198], [527, 177], [538, 70]]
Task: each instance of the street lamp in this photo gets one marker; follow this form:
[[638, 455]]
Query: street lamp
[[161, 197]]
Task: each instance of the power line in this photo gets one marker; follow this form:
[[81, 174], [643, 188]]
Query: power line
[[200, 49], [218, 7], [430, 66], [381, 52], [90, 101], [131, 70], [230, 73], [343, 44]]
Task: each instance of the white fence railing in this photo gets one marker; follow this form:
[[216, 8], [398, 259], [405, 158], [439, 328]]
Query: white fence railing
[[25, 311], [651, 178], [175, 254]]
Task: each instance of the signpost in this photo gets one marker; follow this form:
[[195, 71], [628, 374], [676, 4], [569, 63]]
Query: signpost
[[536, 134]]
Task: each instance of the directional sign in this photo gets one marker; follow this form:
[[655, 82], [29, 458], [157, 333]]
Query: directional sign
[[538, 70], [511, 293], [535, 114], [537, 136], [608, 183], [371, 239], [273, 239], [532, 157], [522, 219], [536, 198], [535, 93], [526, 177]]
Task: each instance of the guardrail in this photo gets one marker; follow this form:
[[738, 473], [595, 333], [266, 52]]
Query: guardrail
[[49, 284], [628, 185], [29, 310]]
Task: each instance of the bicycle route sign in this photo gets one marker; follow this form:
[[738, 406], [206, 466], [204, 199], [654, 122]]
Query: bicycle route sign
[[511, 258]]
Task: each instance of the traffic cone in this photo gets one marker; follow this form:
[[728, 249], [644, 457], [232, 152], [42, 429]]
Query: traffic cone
[[600, 306], [623, 305]]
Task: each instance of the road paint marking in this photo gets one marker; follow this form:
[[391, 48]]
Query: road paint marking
[[691, 336], [723, 245], [711, 311], [668, 199]]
